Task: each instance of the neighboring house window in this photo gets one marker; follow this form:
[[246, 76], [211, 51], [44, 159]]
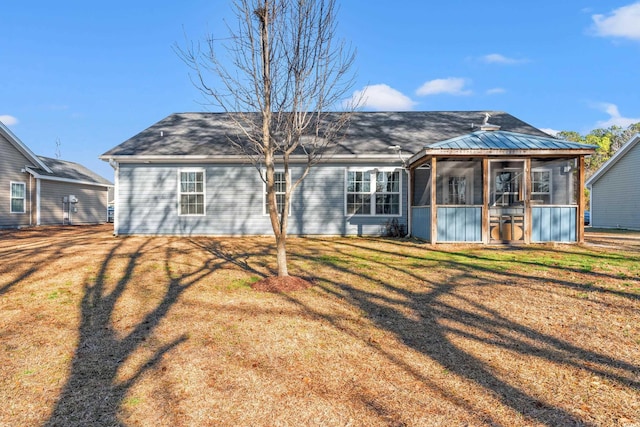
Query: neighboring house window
[[280, 186], [18, 194], [191, 192], [541, 186], [373, 192]]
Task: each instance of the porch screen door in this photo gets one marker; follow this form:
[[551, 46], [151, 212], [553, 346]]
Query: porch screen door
[[507, 209]]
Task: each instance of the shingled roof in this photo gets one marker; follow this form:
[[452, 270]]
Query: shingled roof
[[369, 133], [68, 171]]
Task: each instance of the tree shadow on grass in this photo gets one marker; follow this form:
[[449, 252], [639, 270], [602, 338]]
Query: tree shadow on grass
[[440, 314], [518, 268], [93, 394], [25, 251]]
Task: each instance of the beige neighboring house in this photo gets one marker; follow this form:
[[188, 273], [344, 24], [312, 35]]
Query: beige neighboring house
[[36, 190], [615, 189]]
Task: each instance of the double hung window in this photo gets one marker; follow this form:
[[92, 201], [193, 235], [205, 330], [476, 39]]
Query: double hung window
[[280, 186], [18, 195], [191, 192], [373, 192]]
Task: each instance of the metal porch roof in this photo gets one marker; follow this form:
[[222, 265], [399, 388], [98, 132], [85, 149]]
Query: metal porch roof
[[502, 140]]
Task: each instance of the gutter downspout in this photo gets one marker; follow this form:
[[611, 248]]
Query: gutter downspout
[[37, 201], [409, 224], [30, 200], [116, 187]]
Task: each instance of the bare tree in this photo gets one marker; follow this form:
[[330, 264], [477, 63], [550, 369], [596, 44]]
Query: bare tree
[[282, 73]]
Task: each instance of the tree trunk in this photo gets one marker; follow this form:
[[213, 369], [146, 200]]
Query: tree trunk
[[274, 111], [281, 247]]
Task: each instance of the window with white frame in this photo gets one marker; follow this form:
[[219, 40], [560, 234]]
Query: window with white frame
[[280, 187], [18, 195], [541, 186], [191, 192], [373, 192]]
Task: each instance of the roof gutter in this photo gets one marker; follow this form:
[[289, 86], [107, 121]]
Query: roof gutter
[[234, 158]]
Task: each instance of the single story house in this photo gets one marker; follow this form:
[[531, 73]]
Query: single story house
[[440, 176], [36, 190], [615, 193]]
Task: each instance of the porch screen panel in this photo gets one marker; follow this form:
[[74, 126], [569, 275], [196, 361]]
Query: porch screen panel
[[554, 182], [459, 182], [422, 187]]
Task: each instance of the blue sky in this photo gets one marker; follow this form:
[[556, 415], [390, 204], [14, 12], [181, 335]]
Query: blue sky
[[91, 74]]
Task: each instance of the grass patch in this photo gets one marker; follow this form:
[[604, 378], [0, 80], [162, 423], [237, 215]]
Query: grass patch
[[393, 332], [243, 283]]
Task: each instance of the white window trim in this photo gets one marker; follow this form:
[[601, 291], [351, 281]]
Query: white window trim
[[550, 192], [204, 191], [24, 199], [265, 211], [372, 191]]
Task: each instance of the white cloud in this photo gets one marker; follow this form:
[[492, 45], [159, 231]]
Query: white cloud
[[622, 22], [615, 118], [450, 85], [8, 120], [381, 97], [496, 58], [550, 131], [495, 91]]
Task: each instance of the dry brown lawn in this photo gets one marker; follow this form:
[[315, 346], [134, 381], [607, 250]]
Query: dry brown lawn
[[160, 331]]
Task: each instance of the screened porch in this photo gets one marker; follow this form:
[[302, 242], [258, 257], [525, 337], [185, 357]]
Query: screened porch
[[513, 196]]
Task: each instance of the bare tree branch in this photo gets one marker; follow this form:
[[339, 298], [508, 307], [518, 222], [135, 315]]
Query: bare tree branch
[[282, 73]]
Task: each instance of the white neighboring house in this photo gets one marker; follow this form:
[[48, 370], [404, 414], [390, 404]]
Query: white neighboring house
[[615, 189], [37, 190]]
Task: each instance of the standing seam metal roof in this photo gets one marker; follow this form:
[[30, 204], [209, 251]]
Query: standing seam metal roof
[[502, 140]]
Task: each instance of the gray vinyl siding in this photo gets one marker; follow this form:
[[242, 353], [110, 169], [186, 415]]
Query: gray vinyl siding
[[91, 206], [615, 196], [147, 202], [11, 162]]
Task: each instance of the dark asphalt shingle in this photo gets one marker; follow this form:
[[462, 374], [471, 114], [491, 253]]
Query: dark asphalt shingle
[[207, 134]]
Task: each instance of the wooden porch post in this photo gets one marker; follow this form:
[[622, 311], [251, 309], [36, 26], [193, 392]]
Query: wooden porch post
[[528, 226], [485, 200], [581, 179], [434, 211]]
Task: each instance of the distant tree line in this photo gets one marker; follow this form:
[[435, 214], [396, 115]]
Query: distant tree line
[[608, 140]]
